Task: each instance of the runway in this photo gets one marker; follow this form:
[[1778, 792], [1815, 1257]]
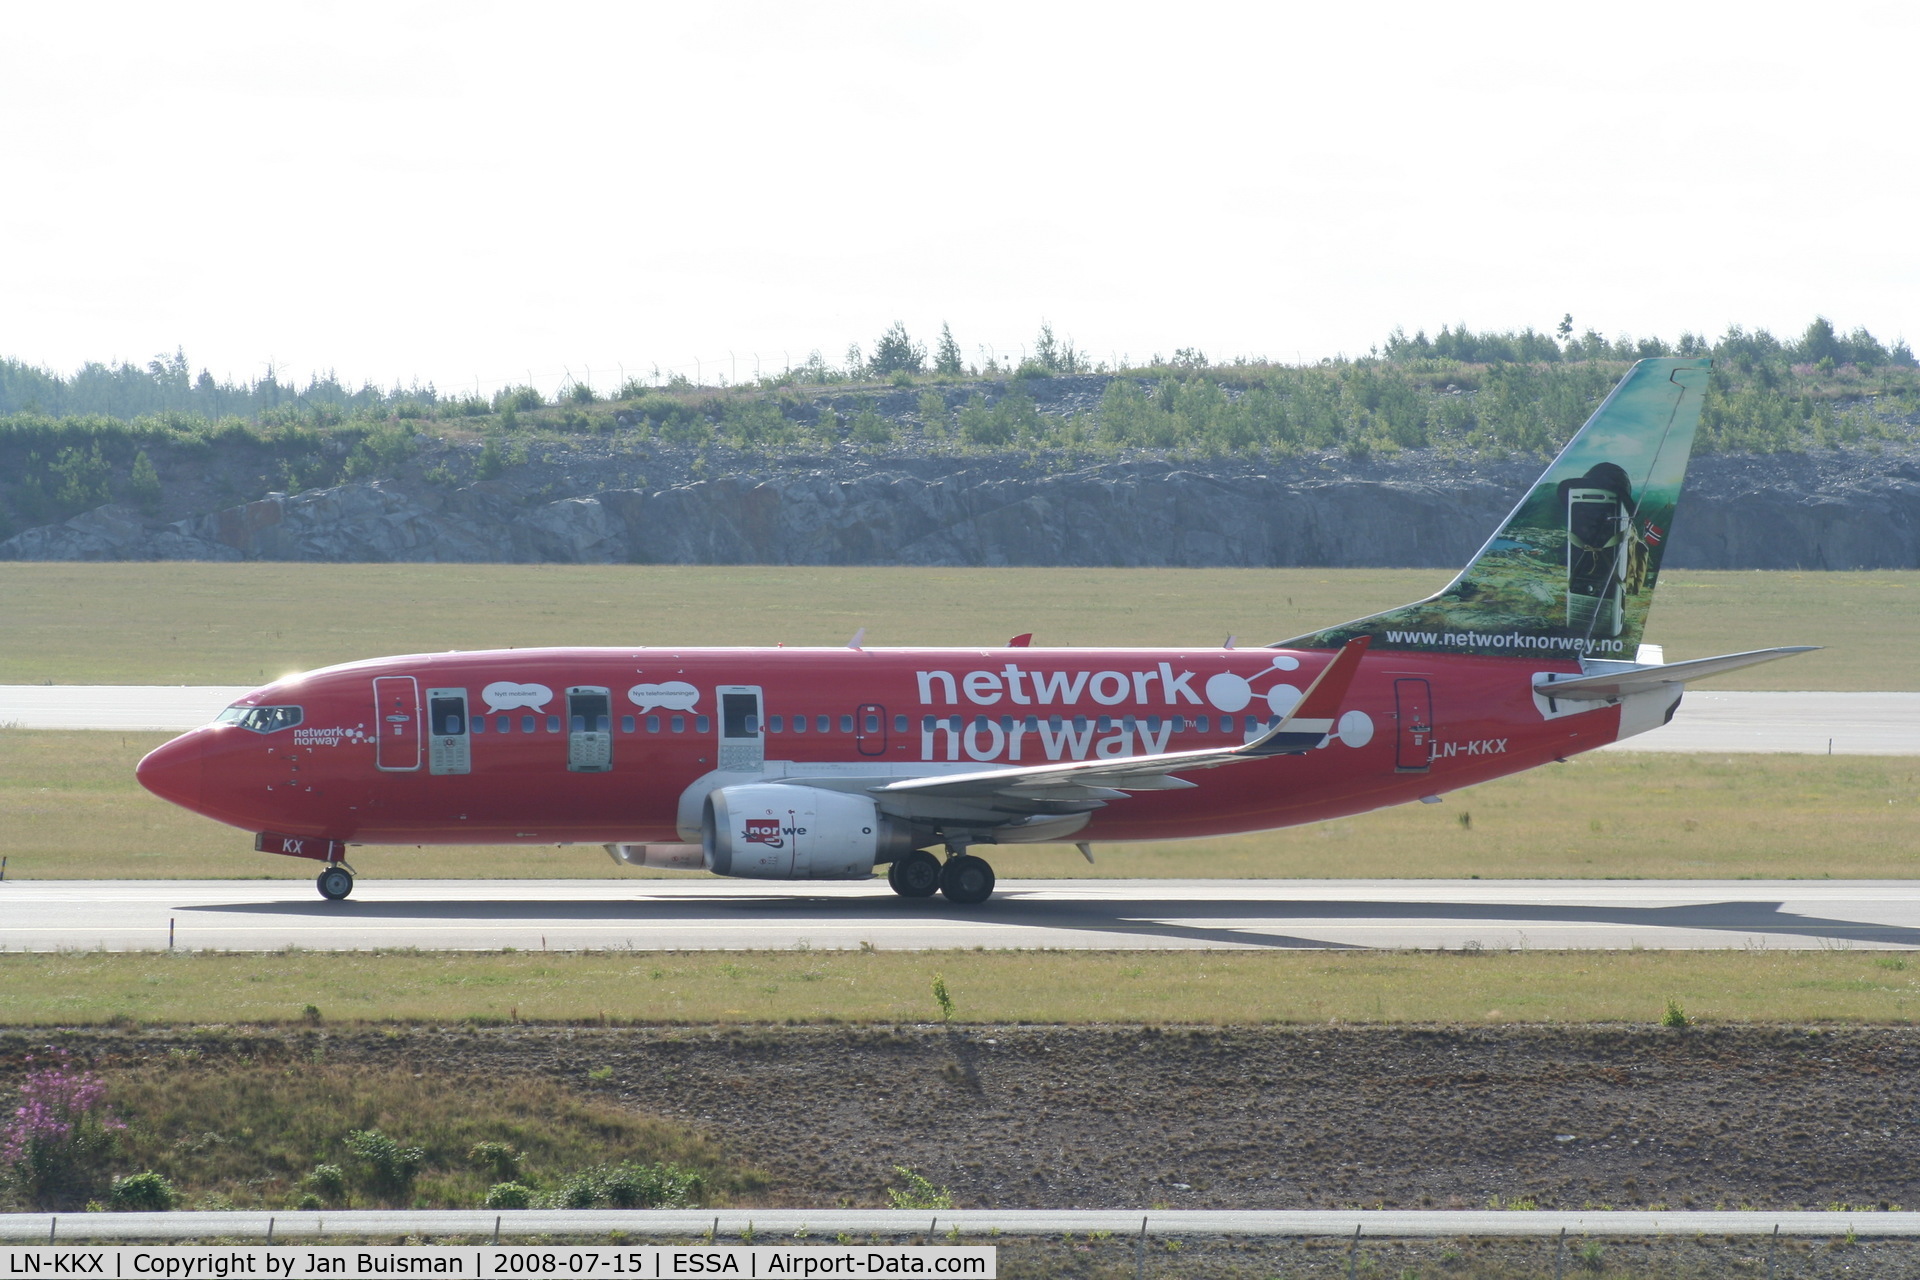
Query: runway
[[566, 915], [1709, 720]]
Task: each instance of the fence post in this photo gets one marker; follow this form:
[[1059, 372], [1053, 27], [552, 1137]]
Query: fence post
[[1140, 1252], [1560, 1255], [1772, 1240], [1353, 1252]]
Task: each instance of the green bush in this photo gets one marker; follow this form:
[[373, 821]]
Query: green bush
[[388, 1169], [497, 1158], [509, 1195], [327, 1181], [630, 1186], [143, 1193], [919, 1193]]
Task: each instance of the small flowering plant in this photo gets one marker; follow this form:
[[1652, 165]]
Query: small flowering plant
[[55, 1144]]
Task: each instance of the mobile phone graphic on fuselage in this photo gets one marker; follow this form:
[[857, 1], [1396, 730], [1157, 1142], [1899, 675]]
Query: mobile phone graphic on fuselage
[[589, 729], [1596, 561]]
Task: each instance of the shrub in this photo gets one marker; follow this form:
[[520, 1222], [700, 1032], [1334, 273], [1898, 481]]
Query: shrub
[[143, 1193], [580, 393], [497, 1158], [143, 487], [630, 1186], [870, 428], [1675, 1016], [509, 1195], [390, 1167], [55, 1146], [511, 399], [920, 1193], [327, 1182]]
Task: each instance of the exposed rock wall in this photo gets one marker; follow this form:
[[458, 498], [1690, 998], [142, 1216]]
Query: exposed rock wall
[[1737, 514]]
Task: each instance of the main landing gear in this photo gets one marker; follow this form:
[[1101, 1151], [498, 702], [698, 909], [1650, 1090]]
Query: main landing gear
[[965, 880], [335, 883]]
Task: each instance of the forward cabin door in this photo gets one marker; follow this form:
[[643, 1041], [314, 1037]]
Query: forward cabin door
[[1413, 711], [396, 714], [742, 748]]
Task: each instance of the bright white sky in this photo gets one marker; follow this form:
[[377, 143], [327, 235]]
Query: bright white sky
[[478, 194]]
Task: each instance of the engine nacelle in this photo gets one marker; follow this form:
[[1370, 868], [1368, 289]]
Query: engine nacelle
[[777, 831]]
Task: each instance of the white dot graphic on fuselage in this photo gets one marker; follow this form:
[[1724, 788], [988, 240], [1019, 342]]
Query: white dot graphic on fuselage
[[1230, 692]]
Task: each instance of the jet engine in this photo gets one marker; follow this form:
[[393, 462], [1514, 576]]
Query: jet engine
[[778, 831]]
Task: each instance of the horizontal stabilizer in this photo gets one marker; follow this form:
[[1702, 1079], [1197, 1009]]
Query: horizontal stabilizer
[[1637, 679]]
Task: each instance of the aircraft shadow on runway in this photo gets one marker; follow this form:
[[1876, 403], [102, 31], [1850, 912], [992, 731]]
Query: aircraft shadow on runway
[[1176, 920]]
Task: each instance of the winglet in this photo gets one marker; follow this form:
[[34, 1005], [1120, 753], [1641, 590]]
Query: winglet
[[1022, 641], [859, 639], [1313, 717]]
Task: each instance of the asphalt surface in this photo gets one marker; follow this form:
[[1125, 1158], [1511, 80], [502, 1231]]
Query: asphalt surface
[[564, 915], [817, 1226], [1709, 720]]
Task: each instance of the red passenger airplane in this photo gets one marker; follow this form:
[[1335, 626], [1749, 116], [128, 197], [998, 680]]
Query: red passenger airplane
[[795, 764]]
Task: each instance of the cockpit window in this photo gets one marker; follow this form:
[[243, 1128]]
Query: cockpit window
[[261, 719]]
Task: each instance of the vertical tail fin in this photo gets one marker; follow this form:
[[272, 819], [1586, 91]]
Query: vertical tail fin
[[1571, 573]]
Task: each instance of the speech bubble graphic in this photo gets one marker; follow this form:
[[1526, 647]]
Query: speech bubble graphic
[[674, 695], [504, 695]]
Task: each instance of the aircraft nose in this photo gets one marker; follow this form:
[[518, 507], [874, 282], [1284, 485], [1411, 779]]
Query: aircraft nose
[[176, 771]]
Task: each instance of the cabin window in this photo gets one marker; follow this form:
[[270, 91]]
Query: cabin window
[[626, 724], [1105, 723], [873, 723], [1153, 724], [479, 724], [928, 724], [679, 724], [1053, 723], [899, 724], [799, 724], [846, 724], [701, 724], [1129, 723], [526, 724], [776, 724], [1080, 722], [653, 724], [1033, 724], [1006, 724]]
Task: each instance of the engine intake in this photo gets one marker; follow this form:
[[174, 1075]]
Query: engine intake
[[777, 831]]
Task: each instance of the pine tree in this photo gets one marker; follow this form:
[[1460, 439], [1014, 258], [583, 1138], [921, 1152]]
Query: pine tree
[[896, 352], [946, 359], [144, 485]]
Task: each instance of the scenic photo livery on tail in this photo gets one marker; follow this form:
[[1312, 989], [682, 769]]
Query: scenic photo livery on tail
[[828, 763]]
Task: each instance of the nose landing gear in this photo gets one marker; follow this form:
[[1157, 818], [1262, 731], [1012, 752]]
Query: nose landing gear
[[335, 883]]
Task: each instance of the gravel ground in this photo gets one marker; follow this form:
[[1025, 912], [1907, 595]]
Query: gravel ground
[[1221, 1118]]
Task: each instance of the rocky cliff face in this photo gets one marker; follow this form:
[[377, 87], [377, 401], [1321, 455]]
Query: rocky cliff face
[[1797, 511]]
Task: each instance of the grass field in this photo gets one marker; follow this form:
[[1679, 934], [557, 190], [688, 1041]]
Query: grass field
[[245, 623], [70, 808], [1168, 987]]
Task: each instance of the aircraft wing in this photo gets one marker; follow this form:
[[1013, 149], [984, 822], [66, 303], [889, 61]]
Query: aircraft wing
[[1301, 730], [1618, 684]]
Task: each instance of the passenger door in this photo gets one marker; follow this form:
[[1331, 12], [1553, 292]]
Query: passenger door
[[742, 748], [1413, 710], [396, 717]]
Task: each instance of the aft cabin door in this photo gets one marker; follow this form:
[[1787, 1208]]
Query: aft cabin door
[[396, 712], [742, 749], [1413, 709]]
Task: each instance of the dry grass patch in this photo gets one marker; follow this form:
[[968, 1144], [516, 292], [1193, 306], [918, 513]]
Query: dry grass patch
[[1160, 987], [243, 623], [70, 809]]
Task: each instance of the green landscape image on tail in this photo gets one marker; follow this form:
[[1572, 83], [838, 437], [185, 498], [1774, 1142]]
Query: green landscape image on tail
[[1571, 573]]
